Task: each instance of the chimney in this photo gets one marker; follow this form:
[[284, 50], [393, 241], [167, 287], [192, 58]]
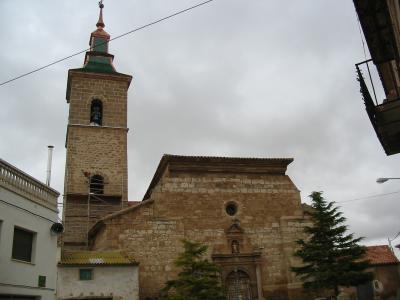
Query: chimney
[[49, 159]]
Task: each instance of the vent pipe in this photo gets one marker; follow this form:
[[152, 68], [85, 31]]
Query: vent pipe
[[49, 159]]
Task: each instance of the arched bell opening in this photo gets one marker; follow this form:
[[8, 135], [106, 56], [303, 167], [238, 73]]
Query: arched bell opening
[[96, 112]]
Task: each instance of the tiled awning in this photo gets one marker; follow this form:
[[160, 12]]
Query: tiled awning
[[96, 258]]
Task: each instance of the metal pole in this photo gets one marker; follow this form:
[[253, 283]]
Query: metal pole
[[49, 159], [372, 84]]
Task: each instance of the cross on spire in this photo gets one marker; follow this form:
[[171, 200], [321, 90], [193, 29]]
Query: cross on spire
[[100, 22]]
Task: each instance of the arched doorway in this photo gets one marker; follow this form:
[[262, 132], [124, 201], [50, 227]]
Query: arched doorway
[[238, 286]]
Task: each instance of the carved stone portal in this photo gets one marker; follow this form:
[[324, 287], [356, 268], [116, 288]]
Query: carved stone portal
[[240, 266]]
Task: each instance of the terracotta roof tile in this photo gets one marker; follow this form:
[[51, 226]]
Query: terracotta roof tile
[[381, 255], [95, 258]]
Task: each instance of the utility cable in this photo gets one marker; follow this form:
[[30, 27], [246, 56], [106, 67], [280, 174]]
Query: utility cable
[[344, 201], [368, 197], [396, 236], [112, 39], [28, 211], [365, 56]]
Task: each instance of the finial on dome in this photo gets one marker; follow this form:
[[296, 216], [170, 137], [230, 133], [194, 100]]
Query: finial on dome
[[100, 22]]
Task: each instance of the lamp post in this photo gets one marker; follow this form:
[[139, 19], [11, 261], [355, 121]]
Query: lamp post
[[384, 179]]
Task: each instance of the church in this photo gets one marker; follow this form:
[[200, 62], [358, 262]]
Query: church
[[246, 210]]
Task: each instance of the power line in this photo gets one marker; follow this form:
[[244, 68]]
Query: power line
[[368, 197], [396, 236], [28, 211], [112, 39], [344, 201]]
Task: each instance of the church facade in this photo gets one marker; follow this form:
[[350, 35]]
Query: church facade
[[247, 210]]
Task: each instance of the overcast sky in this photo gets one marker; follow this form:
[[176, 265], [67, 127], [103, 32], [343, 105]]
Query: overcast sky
[[240, 78]]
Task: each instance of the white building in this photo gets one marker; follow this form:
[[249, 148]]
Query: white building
[[97, 275], [28, 246]]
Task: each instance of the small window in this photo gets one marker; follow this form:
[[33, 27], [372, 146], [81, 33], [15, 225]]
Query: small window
[[96, 112], [231, 208], [41, 281], [22, 244], [97, 185], [85, 274]]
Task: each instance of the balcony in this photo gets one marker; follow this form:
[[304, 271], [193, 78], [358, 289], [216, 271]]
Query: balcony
[[384, 117], [28, 187]]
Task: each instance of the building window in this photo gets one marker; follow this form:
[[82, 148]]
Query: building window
[[97, 185], [41, 281], [22, 244], [85, 274], [96, 112], [17, 297], [231, 208]]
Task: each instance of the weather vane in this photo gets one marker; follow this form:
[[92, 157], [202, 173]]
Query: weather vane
[[101, 5]]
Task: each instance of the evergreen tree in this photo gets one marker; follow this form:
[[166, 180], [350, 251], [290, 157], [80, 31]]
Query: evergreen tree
[[331, 257], [199, 278]]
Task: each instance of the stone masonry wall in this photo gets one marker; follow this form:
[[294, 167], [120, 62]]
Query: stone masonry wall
[[192, 206], [112, 93], [98, 150], [77, 222]]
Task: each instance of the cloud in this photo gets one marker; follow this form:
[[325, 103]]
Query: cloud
[[233, 78]]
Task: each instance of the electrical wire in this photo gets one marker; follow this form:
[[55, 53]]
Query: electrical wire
[[344, 201], [368, 197], [28, 211], [396, 236], [112, 39], [365, 56]]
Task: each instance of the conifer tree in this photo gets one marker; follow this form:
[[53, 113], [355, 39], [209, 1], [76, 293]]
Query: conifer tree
[[331, 257], [199, 278]]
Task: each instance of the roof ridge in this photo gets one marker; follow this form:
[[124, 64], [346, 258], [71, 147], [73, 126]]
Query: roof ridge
[[100, 222], [226, 157]]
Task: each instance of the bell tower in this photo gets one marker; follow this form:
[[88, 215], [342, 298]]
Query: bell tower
[[96, 174]]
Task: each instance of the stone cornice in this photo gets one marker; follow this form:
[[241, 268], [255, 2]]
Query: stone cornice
[[99, 127]]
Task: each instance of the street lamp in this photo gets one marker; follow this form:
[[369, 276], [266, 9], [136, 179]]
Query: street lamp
[[384, 179]]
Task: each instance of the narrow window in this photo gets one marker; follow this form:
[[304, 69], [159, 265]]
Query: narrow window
[[85, 274], [22, 244], [97, 184], [96, 112]]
